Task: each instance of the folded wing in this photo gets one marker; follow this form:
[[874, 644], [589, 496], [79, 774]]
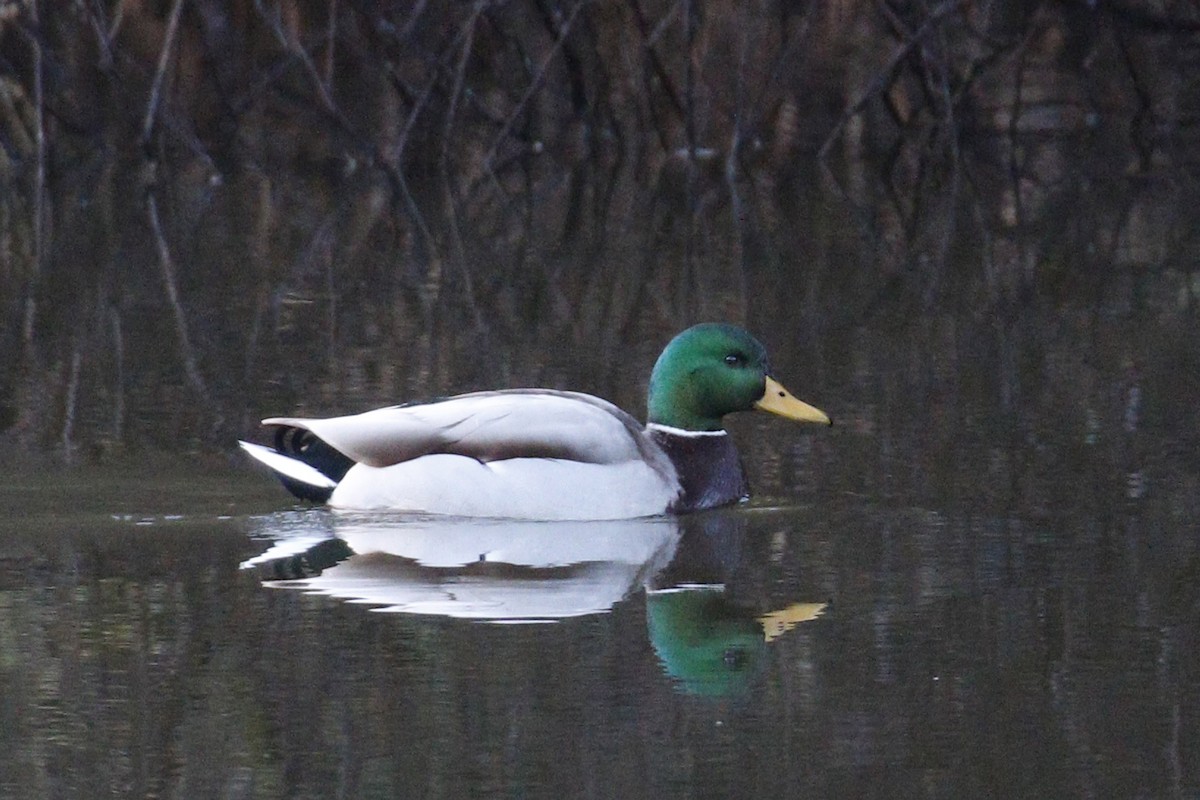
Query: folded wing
[[490, 426]]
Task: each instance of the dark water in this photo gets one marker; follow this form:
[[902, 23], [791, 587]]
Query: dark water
[[848, 644], [984, 582]]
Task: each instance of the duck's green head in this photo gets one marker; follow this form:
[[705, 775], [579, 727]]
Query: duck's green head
[[711, 370]]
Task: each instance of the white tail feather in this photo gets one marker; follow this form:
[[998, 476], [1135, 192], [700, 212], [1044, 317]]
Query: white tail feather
[[288, 467]]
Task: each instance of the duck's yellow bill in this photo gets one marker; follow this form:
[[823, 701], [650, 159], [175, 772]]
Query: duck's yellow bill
[[779, 400], [777, 623]]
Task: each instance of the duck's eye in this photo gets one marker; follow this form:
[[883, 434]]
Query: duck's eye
[[735, 359]]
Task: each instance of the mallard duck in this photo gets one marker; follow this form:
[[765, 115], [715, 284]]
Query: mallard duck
[[542, 453]]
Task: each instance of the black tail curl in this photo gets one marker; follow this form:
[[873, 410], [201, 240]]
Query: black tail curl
[[304, 445]]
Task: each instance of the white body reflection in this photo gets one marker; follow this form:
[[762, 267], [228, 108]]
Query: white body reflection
[[490, 570]]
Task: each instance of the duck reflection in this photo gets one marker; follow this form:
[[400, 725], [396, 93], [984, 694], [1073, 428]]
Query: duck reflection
[[710, 640], [709, 617], [488, 570]]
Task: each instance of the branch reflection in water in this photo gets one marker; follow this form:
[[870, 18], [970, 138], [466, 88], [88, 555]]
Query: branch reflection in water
[[505, 571]]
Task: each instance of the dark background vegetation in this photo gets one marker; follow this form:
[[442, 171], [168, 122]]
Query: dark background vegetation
[[211, 207]]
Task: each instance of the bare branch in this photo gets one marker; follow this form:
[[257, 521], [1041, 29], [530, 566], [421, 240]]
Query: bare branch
[[39, 181], [885, 75], [167, 268], [68, 428], [163, 57], [444, 163], [534, 85]]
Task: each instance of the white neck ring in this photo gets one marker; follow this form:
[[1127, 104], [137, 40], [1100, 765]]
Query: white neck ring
[[681, 432]]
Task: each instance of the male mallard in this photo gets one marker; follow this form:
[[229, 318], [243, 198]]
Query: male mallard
[[542, 453]]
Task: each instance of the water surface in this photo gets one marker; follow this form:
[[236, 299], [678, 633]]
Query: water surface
[[846, 648]]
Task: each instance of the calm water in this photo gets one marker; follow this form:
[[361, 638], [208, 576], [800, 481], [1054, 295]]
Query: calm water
[[984, 582], [191, 635]]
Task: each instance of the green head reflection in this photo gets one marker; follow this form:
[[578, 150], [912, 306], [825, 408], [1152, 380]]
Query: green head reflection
[[710, 646]]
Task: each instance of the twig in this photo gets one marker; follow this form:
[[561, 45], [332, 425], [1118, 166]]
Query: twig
[[410, 123], [395, 163], [535, 84], [737, 204], [387, 162], [660, 72], [1014, 158], [949, 220], [163, 57], [39, 180], [68, 430], [103, 41], [118, 18], [296, 49], [689, 87], [444, 164], [413, 18], [689, 125], [1143, 20], [118, 339], [459, 79], [884, 77], [330, 35], [167, 266]]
